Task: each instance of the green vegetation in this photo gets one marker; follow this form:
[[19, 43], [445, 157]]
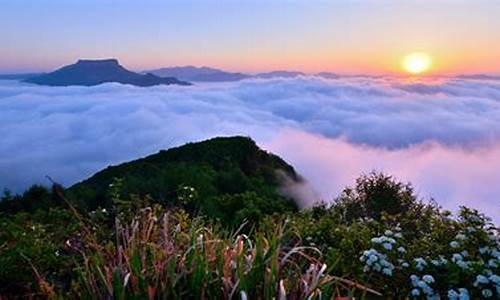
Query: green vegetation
[[206, 221], [231, 177]]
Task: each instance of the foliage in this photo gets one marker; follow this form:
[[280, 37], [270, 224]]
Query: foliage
[[200, 222], [215, 168]]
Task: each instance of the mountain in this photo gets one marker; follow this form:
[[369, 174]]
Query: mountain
[[206, 74], [94, 72], [20, 76], [222, 170], [284, 74], [198, 74]]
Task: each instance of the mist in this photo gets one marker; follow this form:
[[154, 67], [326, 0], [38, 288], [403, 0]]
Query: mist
[[443, 134]]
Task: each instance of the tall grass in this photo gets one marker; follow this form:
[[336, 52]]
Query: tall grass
[[164, 254]]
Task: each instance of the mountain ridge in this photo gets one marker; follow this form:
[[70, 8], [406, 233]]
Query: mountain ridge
[[218, 167], [198, 74]]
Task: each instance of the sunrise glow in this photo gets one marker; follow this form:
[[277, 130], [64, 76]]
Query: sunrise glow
[[417, 63]]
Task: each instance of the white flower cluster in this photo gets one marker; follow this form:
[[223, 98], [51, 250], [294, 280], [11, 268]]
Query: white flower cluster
[[420, 263], [458, 259], [385, 241], [440, 261], [376, 261], [488, 282], [492, 256], [459, 239], [460, 294], [422, 286]]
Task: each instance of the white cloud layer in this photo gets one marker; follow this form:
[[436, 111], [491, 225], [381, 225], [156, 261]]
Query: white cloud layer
[[442, 135]]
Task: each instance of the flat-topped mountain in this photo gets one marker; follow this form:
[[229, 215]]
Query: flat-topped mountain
[[206, 74], [94, 72], [219, 167]]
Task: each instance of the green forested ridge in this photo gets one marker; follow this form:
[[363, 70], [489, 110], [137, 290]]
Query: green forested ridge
[[232, 178], [206, 221]]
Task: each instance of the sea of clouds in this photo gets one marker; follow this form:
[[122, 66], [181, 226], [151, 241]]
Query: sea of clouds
[[443, 134]]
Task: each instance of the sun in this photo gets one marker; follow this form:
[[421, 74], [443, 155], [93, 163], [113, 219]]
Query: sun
[[417, 63]]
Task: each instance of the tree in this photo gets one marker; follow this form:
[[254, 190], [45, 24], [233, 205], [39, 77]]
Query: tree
[[374, 194]]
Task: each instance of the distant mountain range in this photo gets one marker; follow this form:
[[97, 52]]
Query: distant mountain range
[[94, 72], [206, 74], [198, 74]]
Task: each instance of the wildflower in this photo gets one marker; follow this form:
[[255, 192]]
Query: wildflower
[[387, 271], [401, 249], [415, 292], [387, 246], [456, 257], [452, 295], [405, 265], [371, 259], [425, 287], [398, 235], [481, 279], [495, 278], [463, 294], [487, 293], [388, 233], [421, 263], [463, 264], [460, 237], [104, 211], [454, 244], [484, 250], [428, 278], [414, 279], [492, 263]]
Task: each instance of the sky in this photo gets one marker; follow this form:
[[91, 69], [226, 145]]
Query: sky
[[252, 36]]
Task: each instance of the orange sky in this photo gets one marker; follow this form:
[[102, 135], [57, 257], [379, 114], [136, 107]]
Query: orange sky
[[253, 36]]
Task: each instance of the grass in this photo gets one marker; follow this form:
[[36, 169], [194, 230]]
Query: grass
[[164, 254]]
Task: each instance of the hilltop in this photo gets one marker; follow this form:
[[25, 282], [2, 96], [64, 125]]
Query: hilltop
[[229, 168]]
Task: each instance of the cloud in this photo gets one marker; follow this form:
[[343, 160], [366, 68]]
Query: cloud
[[441, 134], [452, 175]]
